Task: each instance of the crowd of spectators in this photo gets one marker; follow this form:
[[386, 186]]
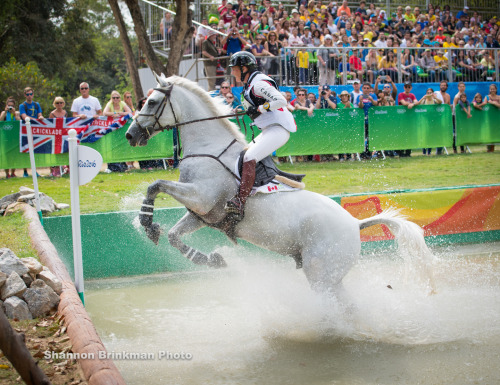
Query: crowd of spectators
[[308, 42], [85, 106]]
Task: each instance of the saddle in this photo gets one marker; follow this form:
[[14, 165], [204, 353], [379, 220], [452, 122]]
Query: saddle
[[266, 171]]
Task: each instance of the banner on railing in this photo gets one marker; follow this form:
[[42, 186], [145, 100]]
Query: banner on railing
[[50, 136], [113, 148], [399, 128], [482, 127], [325, 132]]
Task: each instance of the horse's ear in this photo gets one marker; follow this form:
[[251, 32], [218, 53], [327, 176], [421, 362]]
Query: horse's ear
[[162, 80]]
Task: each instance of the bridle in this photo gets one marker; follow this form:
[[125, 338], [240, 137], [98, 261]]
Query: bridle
[[158, 127]]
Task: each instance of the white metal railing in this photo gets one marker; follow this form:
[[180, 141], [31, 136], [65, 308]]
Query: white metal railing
[[408, 64], [158, 21]]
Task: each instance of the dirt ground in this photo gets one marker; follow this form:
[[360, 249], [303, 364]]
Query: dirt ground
[[44, 335]]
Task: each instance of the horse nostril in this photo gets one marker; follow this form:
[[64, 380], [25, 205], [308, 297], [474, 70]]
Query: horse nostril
[[128, 136]]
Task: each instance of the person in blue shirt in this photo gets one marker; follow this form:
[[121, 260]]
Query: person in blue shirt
[[366, 100], [463, 13], [29, 108]]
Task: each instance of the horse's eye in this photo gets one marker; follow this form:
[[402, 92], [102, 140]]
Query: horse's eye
[[151, 102]]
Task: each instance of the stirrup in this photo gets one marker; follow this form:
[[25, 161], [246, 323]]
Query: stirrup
[[234, 206]]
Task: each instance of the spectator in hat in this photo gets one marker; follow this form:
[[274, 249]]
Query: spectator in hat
[[210, 51], [408, 99], [245, 17], [345, 100], [440, 36], [325, 98], [463, 13], [327, 60], [356, 85]]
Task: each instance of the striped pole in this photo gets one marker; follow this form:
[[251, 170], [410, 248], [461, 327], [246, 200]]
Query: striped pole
[[33, 168], [75, 212]]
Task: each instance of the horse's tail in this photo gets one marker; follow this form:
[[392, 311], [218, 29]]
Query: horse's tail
[[410, 240]]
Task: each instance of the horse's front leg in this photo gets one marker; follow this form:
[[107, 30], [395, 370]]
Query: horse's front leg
[[191, 195], [188, 224]]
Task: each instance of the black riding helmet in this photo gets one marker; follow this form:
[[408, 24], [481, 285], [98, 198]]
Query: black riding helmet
[[243, 58]]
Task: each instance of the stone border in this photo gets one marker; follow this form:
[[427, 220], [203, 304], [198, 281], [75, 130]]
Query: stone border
[[80, 328]]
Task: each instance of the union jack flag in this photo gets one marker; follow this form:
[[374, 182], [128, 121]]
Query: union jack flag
[[50, 136]]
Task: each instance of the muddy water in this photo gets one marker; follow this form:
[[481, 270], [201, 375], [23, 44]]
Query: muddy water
[[258, 322]]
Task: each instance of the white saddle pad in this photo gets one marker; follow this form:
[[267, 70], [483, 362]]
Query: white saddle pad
[[272, 187]]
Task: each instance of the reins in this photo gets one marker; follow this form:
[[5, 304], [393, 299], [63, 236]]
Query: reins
[[167, 91], [157, 127]]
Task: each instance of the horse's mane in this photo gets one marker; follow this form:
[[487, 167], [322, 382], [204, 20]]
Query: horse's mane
[[216, 105]]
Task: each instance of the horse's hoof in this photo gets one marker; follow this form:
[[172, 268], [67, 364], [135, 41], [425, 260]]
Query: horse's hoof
[[153, 232], [216, 261], [199, 259]]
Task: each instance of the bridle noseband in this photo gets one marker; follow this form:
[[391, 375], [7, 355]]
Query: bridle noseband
[[157, 127]]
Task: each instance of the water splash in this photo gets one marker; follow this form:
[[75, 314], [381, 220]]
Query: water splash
[[259, 320]]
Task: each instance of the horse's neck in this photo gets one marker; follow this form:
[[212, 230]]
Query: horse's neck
[[210, 136]]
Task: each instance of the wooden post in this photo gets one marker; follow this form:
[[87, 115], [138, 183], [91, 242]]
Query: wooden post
[[12, 345]]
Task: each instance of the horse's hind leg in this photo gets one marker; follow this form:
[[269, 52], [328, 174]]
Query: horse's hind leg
[[188, 224]]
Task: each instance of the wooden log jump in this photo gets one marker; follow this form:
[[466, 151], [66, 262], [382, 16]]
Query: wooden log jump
[[79, 326]]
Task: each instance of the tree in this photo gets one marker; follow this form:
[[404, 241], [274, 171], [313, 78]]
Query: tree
[[127, 47], [28, 32], [14, 77], [181, 36]]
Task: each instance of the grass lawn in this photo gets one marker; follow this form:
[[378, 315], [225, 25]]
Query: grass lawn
[[116, 191], [124, 191]]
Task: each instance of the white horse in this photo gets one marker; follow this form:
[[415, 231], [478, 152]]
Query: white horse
[[314, 230]]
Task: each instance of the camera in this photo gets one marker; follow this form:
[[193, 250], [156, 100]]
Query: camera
[[323, 92], [10, 108]]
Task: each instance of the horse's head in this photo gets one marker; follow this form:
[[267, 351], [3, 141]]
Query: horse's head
[[151, 120]]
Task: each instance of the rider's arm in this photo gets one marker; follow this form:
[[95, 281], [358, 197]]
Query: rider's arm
[[273, 96]]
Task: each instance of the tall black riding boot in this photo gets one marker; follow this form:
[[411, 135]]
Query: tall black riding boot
[[237, 204]]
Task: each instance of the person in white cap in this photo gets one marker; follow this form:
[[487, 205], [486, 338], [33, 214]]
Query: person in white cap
[[326, 59], [463, 13]]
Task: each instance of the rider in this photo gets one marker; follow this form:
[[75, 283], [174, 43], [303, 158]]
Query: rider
[[266, 106]]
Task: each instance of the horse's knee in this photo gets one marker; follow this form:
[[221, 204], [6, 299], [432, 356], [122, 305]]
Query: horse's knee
[[146, 213], [173, 238], [153, 190]]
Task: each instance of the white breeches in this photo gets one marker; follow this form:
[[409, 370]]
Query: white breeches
[[268, 141]]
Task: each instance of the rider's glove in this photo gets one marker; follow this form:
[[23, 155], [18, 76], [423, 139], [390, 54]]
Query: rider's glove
[[253, 112]]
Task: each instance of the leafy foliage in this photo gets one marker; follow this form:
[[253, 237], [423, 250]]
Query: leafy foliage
[[14, 77], [55, 45]]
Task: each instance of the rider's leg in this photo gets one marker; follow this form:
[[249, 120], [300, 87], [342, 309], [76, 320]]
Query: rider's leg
[[269, 140]]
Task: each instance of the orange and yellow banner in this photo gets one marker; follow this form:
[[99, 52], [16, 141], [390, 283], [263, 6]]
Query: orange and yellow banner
[[438, 212]]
